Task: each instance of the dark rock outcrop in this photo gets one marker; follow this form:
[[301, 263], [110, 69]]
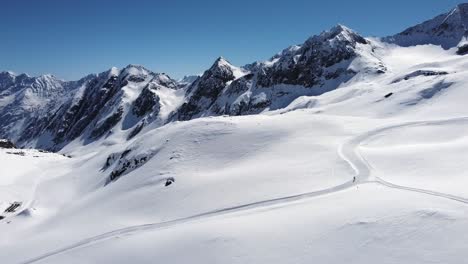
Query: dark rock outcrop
[[6, 144], [53, 112], [206, 89], [305, 65], [462, 50], [146, 102]]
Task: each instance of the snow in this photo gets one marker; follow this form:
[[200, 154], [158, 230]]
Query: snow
[[409, 227], [372, 171], [21, 171], [249, 189], [170, 100], [6, 100], [406, 153]]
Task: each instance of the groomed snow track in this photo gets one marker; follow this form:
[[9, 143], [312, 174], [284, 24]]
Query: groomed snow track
[[348, 151]]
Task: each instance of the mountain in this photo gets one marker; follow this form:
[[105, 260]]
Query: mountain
[[339, 149], [23, 98], [319, 65], [204, 91], [446, 30], [49, 113]]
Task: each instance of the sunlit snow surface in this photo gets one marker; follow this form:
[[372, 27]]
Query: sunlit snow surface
[[351, 176]]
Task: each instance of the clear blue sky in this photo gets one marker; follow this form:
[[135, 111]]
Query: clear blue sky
[[73, 38]]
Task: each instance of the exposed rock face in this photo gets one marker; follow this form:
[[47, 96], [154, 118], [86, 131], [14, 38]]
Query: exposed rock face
[[23, 98], [89, 108], [59, 112], [206, 89], [6, 144], [108, 124], [462, 49], [446, 30], [146, 102], [86, 108], [48, 113], [317, 66], [307, 64]]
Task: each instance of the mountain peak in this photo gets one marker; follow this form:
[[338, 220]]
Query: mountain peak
[[113, 71], [135, 66], [458, 16], [133, 70], [446, 30], [221, 61], [7, 73], [221, 66], [462, 8], [48, 76], [339, 28], [338, 33]]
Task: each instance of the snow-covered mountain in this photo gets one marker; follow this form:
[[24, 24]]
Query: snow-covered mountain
[[23, 98], [319, 65], [340, 149], [49, 113], [447, 30], [128, 99]]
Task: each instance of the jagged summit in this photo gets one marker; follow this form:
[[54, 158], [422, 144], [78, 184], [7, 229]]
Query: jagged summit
[[11, 74], [446, 30], [462, 11], [221, 62], [133, 96], [135, 67], [7, 73], [6, 79], [338, 33], [204, 91], [303, 64], [224, 70]]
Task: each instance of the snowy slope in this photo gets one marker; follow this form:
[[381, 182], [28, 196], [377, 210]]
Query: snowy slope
[[21, 172], [291, 172], [341, 149]]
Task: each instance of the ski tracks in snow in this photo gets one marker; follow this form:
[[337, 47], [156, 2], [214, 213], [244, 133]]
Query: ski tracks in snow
[[348, 151]]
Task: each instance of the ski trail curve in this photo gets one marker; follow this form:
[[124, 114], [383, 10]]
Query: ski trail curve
[[347, 151], [433, 193], [351, 154], [277, 202]]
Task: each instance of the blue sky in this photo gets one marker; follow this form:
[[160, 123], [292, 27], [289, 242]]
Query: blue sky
[[73, 38]]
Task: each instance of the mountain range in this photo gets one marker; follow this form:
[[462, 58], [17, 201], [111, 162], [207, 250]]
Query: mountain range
[[342, 149], [49, 113]]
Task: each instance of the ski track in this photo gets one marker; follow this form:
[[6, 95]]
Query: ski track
[[347, 151]]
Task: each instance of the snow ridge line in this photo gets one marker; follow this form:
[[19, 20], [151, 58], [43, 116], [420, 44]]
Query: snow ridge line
[[347, 151]]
